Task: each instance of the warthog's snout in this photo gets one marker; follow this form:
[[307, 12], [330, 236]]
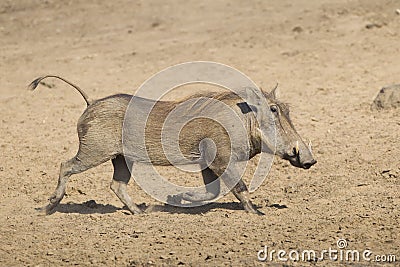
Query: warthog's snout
[[300, 155], [307, 165]]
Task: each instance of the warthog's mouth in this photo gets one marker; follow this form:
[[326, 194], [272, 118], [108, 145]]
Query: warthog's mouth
[[300, 162], [296, 162]]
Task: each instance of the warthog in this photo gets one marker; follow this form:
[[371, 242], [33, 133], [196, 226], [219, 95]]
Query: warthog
[[100, 130]]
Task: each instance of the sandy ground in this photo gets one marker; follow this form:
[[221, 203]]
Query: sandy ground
[[330, 59]]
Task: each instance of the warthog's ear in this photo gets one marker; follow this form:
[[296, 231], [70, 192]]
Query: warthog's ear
[[245, 108], [255, 98], [274, 92], [258, 103]]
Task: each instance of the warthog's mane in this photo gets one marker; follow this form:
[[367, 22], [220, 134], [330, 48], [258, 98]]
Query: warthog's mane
[[228, 95]]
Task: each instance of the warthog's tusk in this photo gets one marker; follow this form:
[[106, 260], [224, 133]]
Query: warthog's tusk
[[310, 146], [297, 148]]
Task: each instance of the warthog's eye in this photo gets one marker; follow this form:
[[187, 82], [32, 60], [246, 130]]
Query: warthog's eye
[[274, 108]]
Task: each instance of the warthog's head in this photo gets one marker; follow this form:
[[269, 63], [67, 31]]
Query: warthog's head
[[288, 143]]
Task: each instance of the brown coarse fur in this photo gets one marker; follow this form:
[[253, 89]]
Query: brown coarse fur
[[101, 130]]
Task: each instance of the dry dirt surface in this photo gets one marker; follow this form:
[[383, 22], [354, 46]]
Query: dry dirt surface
[[330, 59]]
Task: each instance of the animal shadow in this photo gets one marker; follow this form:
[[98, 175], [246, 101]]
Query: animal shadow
[[91, 207], [88, 207], [193, 210]]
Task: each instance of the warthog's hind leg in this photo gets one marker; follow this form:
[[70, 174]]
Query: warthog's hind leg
[[121, 177], [72, 166]]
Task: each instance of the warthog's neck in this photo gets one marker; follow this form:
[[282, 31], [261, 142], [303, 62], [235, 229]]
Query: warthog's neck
[[254, 136]]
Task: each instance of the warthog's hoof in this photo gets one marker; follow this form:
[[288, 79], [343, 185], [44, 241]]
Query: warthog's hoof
[[260, 213], [198, 197], [255, 211], [251, 209], [174, 199], [154, 208]]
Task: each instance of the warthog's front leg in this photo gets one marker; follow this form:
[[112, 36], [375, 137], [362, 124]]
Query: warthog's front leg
[[240, 191], [208, 152], [232, 179], [212, 188]]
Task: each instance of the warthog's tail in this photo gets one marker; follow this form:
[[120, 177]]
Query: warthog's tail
[[36, 82]]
